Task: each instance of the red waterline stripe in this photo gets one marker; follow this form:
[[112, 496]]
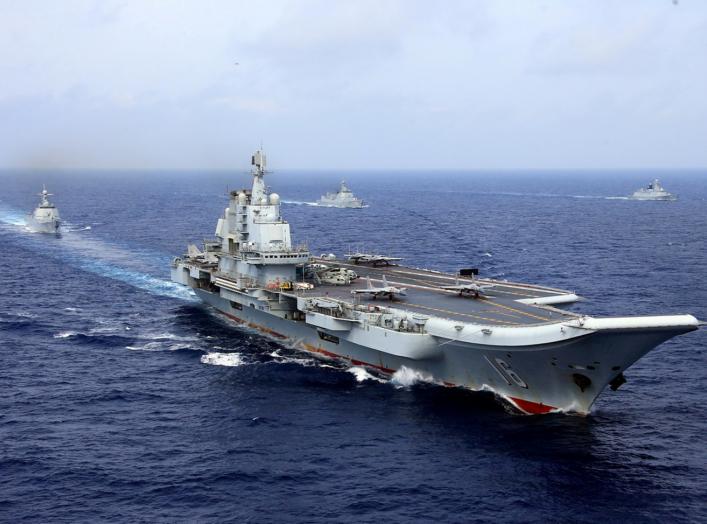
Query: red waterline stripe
[[532, 408], [240, 321], [314, 349], [362, 363]]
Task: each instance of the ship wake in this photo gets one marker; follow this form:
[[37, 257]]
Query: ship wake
[[301, 203], [96, 256]]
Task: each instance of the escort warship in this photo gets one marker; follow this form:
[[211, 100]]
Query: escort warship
[[45, 217], [654, 191], [453, 329], [342, 198]]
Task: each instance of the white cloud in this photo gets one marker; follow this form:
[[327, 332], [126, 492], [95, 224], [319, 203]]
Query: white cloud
[[396, 83]]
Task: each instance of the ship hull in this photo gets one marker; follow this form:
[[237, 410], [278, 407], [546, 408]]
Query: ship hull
[[565, 376], [343, 204], [662, 198], [43, 226]]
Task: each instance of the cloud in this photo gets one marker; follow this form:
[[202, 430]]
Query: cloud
[[400, 83], [252, 105]]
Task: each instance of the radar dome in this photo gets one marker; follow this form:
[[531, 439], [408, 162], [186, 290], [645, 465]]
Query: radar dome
[[264, 201], [274, 199], [241, 199]]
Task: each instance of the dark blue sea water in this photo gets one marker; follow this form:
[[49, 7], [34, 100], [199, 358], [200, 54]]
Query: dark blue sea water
[[123, 399]]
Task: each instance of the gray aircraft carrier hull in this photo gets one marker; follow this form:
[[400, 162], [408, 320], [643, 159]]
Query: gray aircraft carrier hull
[[564, 376]]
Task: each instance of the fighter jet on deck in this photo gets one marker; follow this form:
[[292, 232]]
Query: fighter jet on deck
[[469, 288], [374, 260], [383, 291]]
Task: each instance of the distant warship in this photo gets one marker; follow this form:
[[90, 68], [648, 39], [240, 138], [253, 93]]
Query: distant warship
[[457, 330], [45, 217], [654, 191], [343, 198]]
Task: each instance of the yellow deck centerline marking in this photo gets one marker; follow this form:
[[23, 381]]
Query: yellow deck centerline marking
[[496, 321], [517, 310], [516, 314], [447, 276], [503, 287], [435, 287], [448, 292]]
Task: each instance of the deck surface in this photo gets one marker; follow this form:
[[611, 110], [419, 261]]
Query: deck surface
[[498, 306]]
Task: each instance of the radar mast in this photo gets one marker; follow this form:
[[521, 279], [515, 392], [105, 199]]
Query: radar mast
[[259, 192]]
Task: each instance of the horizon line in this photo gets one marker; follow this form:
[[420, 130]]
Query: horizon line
[[350, 169]]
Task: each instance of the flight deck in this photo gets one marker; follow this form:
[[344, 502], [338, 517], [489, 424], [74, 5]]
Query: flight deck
[[499, 305]]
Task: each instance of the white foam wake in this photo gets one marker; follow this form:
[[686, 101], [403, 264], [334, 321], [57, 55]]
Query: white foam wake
[[406, 377], [222, 359], [301, 203], [102, 258], [160, 346], [285, 359], [161, 341], [153, 285], [66, 334], [12, 216], [70, 228], [362, 374]]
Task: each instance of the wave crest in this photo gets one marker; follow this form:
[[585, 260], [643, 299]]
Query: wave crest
[[222, 359]]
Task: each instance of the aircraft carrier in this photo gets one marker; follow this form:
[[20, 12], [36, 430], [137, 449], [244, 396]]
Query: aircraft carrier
[[457, 330]]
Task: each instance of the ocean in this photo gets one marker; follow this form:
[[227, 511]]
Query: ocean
[[125, 400]]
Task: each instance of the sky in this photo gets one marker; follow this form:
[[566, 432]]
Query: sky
[[356, 84]]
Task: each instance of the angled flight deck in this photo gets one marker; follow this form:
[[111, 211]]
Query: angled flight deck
[[498, 306]]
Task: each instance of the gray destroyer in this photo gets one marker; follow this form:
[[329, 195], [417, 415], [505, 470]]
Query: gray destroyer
[[342, 198], [45, 217], [654, 191], [455, 330]]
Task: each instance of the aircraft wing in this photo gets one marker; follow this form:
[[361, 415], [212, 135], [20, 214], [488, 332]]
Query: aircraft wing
[[471, 288], [378, 292], [370, 258], [372, 290]]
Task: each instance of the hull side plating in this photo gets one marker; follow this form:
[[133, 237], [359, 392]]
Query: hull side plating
[[535, 379]]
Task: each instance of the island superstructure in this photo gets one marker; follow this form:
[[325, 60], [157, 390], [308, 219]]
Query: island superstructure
[[654, 191], [45, 217], [456, 329]]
